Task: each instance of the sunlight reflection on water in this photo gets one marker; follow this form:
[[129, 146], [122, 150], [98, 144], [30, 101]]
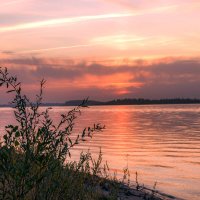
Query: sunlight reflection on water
[[160, 142]]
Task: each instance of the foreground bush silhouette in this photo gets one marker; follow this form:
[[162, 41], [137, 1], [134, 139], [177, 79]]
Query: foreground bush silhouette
[[33, 153]]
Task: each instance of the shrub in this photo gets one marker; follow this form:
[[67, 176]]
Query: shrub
[[34, 152], [33, 156]]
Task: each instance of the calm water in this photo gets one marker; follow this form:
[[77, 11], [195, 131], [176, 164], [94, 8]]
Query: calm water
[[160, 142]]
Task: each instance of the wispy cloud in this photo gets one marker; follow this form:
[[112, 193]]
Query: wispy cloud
[[122, 41], [55, 48], [118, 38], [7, 52], [113, 40], [7, 3], [69, 20], [54, 22], [125, 3]]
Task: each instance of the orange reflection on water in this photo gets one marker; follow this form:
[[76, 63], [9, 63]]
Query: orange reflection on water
[[160, 142]]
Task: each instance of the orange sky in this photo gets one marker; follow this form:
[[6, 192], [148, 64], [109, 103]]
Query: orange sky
[[103, 48]]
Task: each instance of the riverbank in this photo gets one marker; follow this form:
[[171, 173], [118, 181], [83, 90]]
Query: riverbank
[[133, 192], [46, 178], [127, 193]]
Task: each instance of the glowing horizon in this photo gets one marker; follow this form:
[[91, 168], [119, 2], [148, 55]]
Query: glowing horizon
[[103, 35]]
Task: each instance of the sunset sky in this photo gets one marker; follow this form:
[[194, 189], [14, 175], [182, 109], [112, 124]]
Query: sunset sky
[[103, 49]]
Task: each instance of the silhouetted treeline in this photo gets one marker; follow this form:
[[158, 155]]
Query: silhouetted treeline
[[139, 101]]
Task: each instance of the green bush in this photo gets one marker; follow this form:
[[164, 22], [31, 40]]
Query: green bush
[[33, 153], [34, 162]]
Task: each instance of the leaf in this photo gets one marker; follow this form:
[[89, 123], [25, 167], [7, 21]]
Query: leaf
[[17, 134], [15, 128], [9, 91], [5, 137], [83, 133], [70, 141], [16, 143]]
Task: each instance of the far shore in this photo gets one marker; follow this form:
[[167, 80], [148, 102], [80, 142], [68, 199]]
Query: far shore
[[120, 102]]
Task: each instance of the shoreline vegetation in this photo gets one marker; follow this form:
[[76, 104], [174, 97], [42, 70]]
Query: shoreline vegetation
[[138, 101], [34, 157]]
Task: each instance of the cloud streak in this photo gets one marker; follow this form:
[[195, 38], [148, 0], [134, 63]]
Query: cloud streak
[[70, 20], [12, 2], [60, 21], [55, 48]]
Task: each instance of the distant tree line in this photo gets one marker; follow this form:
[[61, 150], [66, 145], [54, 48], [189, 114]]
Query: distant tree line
[[139, 101]]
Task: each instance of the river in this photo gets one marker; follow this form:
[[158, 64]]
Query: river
[[160, 142]]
